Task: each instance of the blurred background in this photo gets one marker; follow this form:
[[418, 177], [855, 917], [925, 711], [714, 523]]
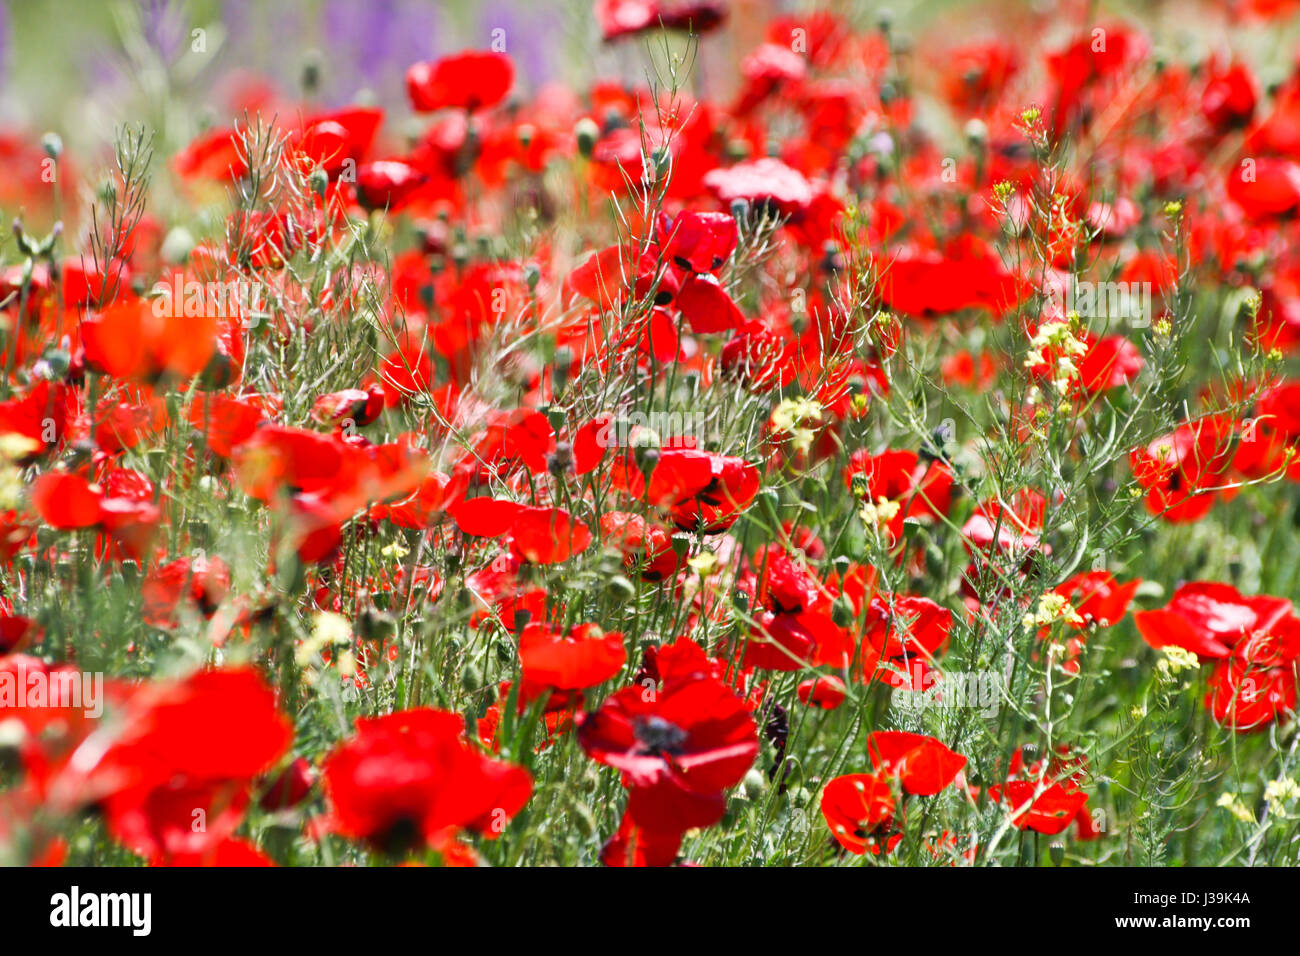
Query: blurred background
[[83, 68]]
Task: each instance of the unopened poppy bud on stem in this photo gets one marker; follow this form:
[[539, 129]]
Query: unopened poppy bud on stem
[[586, 132], [319, 181], [646, 459]]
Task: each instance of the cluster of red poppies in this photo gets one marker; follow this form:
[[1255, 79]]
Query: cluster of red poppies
[[457, 486]]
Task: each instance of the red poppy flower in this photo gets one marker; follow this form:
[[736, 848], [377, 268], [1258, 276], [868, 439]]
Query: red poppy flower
[[158, 822], [1228, 100], [1271, 434], [620, 18], [66, 500], [922, 764], [678, 748], [1039, 806], [543, 535], [698, 241], [140, 340], [407, 777], [707, 307], [732, 487], [856, 806], [584, 657], [914, 627], [1010, 528], [925, 284], [276, 458], [16, 632], [921, 488], [388, 184], [351, 407], [759, 357], [1097, 597], [792, 641], [974, 75], [41, 415], [1265, 187], [675, 474], [217, 155], [646, 548], [787, 584], [289, 787], [1214, 621], [418, 510], [204, 580], [824, 692], [331, 140], [1109, 362], [527, 436], [634, 846], [471, 81], [1246, 696], [177, 747], [225, 422]]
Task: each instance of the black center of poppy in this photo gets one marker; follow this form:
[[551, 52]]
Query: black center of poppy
[[400, 837], [658, 736]]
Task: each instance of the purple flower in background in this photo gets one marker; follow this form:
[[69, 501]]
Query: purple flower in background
[[528, 38], [165, 28], [372, 45]]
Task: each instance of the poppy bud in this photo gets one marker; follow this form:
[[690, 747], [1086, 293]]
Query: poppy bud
[[842, 612], [504, 649], [319, 181], [177, 244], [52, 144], [646, 459], [620, 588], [586, 132], [12, 740], [57, 363], [311, 72], [563, 362], [1057, 852], [470, 678], [532, 275], [737, 149]]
